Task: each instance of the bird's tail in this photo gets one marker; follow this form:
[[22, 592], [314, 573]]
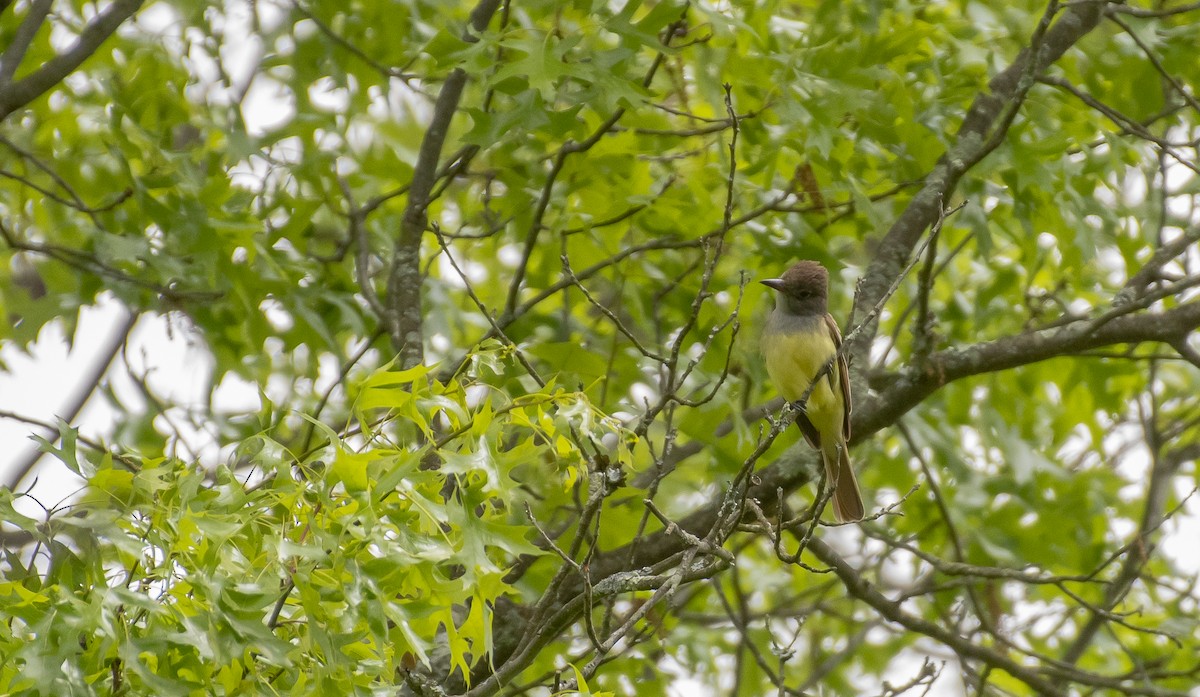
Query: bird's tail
[[847, 501]]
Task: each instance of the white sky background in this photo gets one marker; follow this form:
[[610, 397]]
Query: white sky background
[[162, 352], [176, 365]]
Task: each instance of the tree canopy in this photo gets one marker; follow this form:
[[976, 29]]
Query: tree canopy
[[491, 269]]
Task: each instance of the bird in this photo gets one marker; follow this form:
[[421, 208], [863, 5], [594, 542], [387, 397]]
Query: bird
[[799, 339]]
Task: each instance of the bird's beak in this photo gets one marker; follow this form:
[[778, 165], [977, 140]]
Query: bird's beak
[[773, 283]]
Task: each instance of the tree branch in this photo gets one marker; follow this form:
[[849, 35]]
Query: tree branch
[[403, 319], [944, 367], [17, 94], [980, 131], [15, 53], [1037, 679]]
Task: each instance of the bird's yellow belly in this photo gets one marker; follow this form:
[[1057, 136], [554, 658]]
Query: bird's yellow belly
[[792, 360]]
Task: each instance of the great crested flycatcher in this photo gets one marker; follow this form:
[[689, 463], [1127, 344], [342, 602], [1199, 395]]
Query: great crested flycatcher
[[800, 338]]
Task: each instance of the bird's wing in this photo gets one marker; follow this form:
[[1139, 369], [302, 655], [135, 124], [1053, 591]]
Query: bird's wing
[[843, 377]]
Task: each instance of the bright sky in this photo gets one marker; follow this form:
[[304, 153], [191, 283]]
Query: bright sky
[[40, 385]]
